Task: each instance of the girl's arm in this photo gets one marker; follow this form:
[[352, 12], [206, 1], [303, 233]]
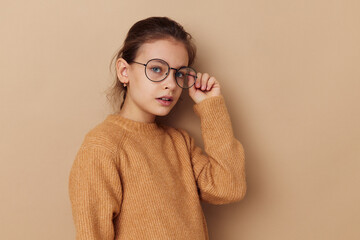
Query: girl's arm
[[220, 173], [95, 193]]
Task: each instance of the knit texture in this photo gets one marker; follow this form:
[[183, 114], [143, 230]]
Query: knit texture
[[136, 180]]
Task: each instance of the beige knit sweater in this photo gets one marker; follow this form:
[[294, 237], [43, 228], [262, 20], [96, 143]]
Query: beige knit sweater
[[135, 180]]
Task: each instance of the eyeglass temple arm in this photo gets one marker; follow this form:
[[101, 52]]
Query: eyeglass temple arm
[[138, 63]]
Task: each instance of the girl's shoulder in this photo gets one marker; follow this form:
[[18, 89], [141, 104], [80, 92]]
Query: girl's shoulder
[[103, 135]]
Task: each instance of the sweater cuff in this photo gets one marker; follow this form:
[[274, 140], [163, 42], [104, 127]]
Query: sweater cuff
[[210, 106], [215, 121]]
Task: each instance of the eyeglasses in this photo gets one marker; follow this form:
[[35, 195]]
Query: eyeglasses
[[157, 70]]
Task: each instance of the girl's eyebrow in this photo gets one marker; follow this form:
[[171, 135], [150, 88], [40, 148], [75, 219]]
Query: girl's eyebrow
[[180, 67], [177, 66], [185, 65], [171, 66]]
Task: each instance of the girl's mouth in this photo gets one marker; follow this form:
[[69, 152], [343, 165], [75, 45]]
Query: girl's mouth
[[164, 101]]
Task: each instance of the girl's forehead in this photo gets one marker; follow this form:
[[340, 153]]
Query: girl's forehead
[[172, 51]]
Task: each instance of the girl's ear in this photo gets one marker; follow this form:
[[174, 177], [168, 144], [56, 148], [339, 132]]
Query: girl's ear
[[122, 70]]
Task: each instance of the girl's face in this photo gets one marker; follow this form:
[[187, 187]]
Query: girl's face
[[142, 100]]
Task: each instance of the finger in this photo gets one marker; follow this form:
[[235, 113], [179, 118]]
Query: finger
[[204, 81], [198, 80], [210, 83]]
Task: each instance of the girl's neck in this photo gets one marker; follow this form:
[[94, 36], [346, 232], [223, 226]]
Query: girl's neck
[[137, 116]]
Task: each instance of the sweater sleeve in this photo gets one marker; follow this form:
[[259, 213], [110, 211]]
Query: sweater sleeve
[[95, 193], [220, 173]]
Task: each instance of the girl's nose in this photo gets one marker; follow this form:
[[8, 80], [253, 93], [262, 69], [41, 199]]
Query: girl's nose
[[170, 80]]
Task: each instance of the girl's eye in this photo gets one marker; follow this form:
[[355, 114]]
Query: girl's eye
[[179, 75], [156, 69]]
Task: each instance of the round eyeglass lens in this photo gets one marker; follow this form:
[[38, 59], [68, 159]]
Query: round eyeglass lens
[[156, 70], [185, 77]]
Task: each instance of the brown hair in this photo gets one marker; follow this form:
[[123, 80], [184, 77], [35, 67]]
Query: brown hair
[[144, 31]]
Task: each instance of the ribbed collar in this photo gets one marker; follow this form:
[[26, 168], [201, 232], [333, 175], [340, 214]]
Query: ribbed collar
[[135, 126]]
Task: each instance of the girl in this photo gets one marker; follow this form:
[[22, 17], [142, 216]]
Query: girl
[[133, 178]]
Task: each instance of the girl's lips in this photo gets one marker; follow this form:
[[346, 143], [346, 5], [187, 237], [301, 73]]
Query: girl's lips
[[164, 102]]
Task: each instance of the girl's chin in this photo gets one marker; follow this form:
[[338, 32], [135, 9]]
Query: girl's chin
[[163, 113]]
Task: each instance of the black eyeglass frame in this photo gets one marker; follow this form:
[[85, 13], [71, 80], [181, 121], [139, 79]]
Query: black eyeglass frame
[[167, 73]]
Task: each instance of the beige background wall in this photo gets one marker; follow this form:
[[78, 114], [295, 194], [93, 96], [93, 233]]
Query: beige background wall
[[290, 75]]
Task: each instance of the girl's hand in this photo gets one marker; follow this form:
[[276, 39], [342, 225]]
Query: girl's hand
[[204, 87]]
